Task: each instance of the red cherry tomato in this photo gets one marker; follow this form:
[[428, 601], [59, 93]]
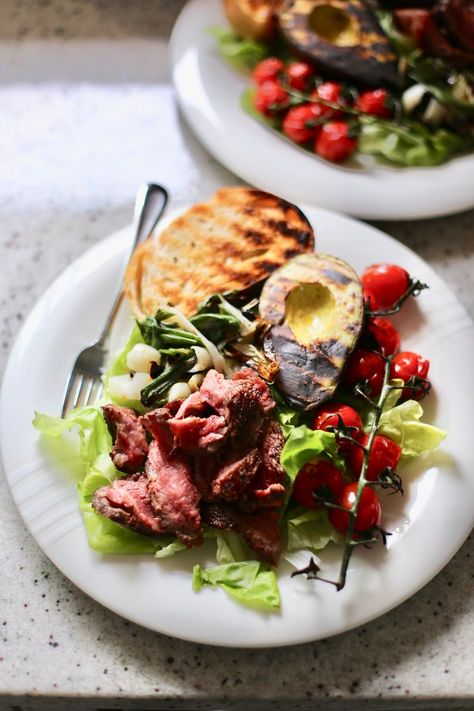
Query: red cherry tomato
[[298, 74], [267, 70], [314, 477], [297, 122], [384, 453], [327, 417], [334, 142], [369, 511], [270, 98], [406, 365], [365, 366], [384, 284], [385, 335], [328, 91], [374, 103]]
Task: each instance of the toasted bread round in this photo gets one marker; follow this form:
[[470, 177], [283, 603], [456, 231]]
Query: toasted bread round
[[236, 239], [252, 19]]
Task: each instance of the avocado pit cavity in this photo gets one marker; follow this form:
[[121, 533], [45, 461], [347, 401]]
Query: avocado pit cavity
[[310, 311], [334, 25]]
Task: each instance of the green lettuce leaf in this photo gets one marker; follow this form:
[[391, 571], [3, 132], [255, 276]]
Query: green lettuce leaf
[[310, 530], [94, 438], [402, 425], [409, 144], [231, 548], [303, 445], [97, 470], [251, 583], [244, 54]]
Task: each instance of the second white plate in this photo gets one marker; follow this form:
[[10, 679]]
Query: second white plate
[[209, 92]]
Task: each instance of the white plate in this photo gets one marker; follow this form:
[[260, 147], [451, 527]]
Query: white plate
[[209, 92], [428, 524]]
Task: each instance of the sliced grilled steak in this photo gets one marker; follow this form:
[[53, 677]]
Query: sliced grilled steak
[[130, 445], [260, 530], [267, 487], [232, 477], [174, 498], [126, 501], [231, 411]]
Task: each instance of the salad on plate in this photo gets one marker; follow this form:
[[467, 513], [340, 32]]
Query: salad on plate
[[345, 79], [262, 404]]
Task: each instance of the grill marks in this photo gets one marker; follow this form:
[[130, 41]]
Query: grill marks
[[220, 447], [233, 241]]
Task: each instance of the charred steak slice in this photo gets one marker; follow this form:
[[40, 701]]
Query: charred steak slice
[[231, 412], [267, 487], [173, 496], [232, 477], [130, 448], [126, 501], [260, 530]]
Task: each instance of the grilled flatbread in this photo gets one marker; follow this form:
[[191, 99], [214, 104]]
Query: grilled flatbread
[[236, 239]]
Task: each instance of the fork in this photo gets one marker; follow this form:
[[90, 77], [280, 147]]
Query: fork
[[85, 384]]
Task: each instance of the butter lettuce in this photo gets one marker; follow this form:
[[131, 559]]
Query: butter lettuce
[[303, 445], [97, 470], [310, 530], [251, 583], [411, 143], [244, 54], [402, 425]]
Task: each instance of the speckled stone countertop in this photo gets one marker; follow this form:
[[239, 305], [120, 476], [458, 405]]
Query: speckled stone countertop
[[87, 115]]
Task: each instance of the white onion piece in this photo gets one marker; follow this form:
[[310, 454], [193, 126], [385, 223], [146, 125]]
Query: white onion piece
[[195, 381], [141, 357], [435, 113], [179, 391], [128, 386], [217, 359], [412, 97], [203, 359]]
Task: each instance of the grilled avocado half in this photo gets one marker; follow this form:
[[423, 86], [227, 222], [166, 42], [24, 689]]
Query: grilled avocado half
[[342, 38], [316, 307]]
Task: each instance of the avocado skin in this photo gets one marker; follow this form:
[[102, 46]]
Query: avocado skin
[[309, 374], [372, 62]]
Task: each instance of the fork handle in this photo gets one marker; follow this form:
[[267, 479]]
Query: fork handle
[[150, 204]]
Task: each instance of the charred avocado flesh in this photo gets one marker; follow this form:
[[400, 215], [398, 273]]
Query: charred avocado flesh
[[340, 37], [316, 307]]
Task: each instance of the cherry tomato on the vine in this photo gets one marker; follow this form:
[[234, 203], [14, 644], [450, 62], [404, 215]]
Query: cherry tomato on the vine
[[369, 511], [407, 365], [365, 366], [375, 103], [267, 70], [383, 285], [328, 91], [335, 414], [297, 122], [316, 477], [385, 335], [270, 98], [298, 74], [385, 453], [334, 142]]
